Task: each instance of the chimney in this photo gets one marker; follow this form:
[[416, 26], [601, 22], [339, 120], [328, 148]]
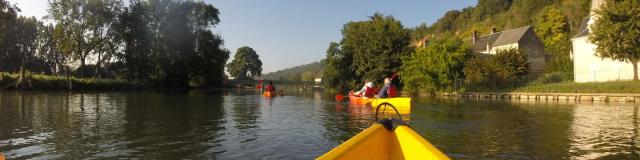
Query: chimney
[[493, 30], [474, 36]]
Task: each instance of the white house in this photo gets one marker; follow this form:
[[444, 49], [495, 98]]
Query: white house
[[587, 67], [523, 38]]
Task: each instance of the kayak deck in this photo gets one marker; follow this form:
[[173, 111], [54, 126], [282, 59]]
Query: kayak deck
[[378, 142], [403, 104]]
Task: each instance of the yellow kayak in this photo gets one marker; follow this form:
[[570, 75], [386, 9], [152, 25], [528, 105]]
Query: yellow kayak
[[403, 104], [386, 139]]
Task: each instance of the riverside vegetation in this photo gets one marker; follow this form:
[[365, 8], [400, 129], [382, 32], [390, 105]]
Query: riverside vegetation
[[377, 47], [104, 44]]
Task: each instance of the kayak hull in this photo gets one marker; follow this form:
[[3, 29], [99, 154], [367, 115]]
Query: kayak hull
[[268, 94], [377, 142], [359, 100], [403, 104]]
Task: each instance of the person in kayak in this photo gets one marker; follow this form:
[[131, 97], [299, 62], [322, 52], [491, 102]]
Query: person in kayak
[[366, 91], [388, 91], [270, 87]]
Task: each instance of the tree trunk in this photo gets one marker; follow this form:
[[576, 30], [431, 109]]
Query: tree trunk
[[82, 67], [66, 74], [97, 70], [635, 69]]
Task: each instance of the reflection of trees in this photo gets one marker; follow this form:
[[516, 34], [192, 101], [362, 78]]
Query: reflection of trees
[[343, 121], [245, 115], [160, 125]]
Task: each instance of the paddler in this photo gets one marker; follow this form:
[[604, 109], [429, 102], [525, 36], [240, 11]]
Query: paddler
[[270, 87], [366, 91], [388, 91]]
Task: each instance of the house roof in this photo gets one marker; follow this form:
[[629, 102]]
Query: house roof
[[511, 36], [500, 38], [584, 28], [483, 41]]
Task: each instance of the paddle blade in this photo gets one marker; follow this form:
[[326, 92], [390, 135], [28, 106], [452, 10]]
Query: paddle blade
[[339, 97]]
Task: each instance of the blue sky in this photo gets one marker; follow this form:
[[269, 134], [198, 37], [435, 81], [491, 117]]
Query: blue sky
[[287, 33]]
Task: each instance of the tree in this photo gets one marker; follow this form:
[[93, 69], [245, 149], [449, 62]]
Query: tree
[[7, 13], [511, 65], [551, 26], [134, 31], [616, 32], [435, 66], [86, 25], [337, 73], [376, 46], [246, 64]]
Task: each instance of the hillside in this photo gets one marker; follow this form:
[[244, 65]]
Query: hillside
[[501, 14], [306, 72]]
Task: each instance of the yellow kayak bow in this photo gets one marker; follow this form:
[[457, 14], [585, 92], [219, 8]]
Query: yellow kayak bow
[[389, 138]]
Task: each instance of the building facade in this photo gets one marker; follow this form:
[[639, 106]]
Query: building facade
[[587, 66], [523, 38]]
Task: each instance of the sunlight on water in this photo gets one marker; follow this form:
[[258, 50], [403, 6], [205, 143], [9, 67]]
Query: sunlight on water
[[241, 124]]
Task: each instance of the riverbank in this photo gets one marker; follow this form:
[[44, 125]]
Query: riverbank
[[572, 87], [45, 82], [620, 91]]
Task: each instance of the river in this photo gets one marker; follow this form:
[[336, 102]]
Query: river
[[241, 124]]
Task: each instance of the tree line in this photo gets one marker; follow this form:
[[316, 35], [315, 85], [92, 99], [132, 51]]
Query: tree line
[[165, 43], [375, 48]]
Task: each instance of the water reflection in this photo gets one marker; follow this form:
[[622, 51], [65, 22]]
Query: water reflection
[[242, 124], [601, 131]]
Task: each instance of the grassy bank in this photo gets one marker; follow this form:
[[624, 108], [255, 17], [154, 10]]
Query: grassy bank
[[45, 82], [571, 87]]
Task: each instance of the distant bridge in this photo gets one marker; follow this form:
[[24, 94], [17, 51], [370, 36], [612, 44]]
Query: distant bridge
[[253, 83]]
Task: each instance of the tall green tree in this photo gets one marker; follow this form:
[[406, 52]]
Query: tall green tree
[[376, 46], [246, 64], [134, 32], [8, 12], [337, 73], [616, 32], [436, 66], [86, 24], [551, 26]]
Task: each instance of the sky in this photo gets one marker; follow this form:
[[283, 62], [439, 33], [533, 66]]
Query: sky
[[288, 33]]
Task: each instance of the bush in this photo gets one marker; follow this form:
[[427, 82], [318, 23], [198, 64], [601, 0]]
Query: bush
[[436, 66], [504, 70], [555, 77]]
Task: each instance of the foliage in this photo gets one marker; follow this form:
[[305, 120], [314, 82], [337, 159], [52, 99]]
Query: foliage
[[555, 77], [298, 73], [46, 82], [87, 26], [436, 66], [616, 32], [376, 46], [507, 67], [246, 64], [167, 43], [572, 87], [553, 30], [500, 14], [337, 74]]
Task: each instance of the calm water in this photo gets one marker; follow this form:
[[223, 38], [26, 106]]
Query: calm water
[[240, 124]]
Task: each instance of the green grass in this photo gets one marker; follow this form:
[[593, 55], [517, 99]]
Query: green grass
[[45, 82], [571, 87]]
